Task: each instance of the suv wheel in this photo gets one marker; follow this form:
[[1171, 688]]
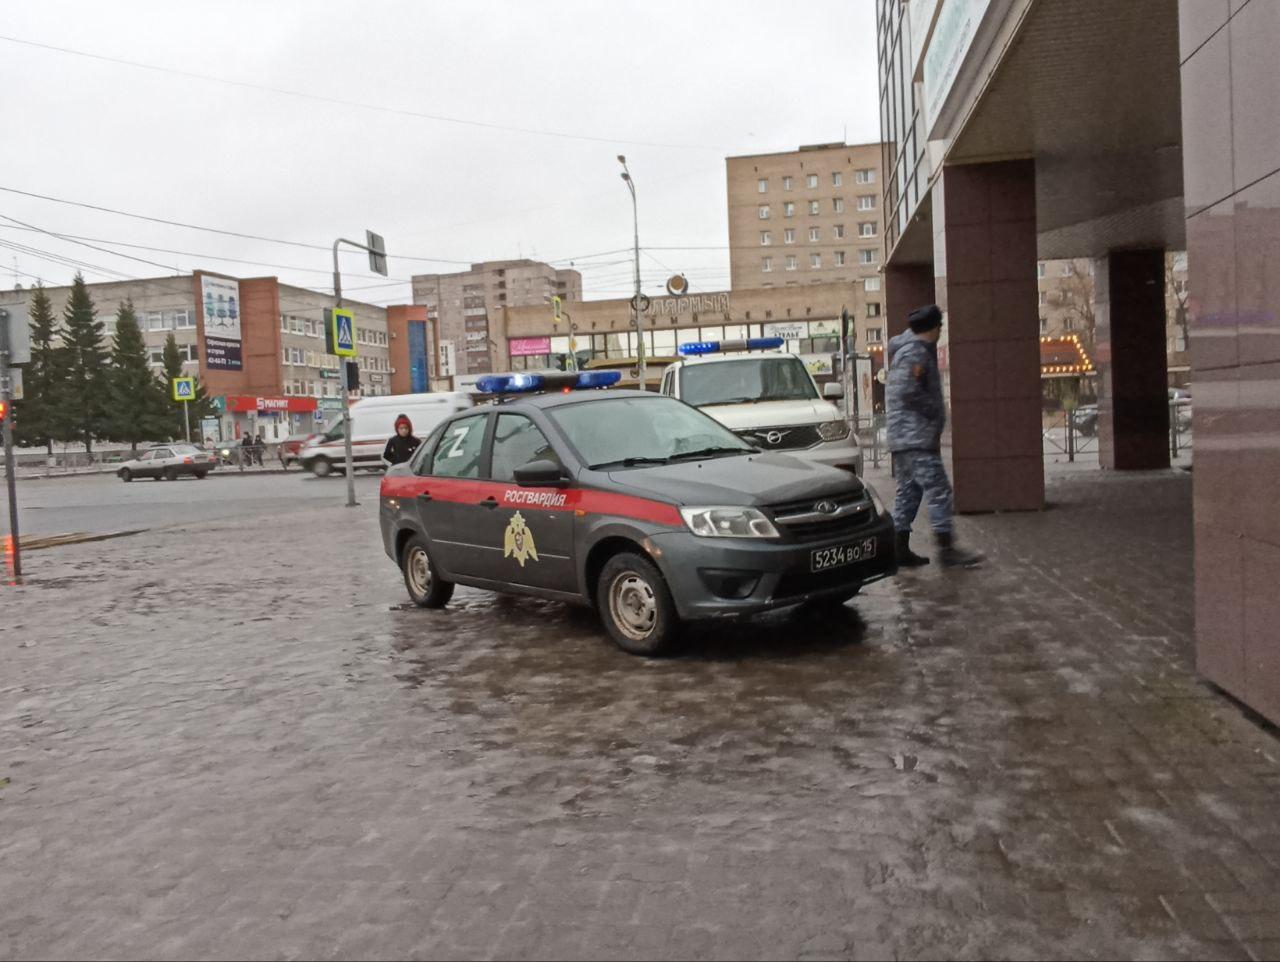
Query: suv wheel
[[322, 467], [126, 474], [426, 588], [636, 606]]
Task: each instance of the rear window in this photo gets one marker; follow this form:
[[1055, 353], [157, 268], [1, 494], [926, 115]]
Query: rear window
[[777, 378]]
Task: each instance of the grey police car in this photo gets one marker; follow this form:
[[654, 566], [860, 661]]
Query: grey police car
[[635, 503]]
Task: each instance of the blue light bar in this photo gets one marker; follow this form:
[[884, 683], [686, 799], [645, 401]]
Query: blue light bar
[[531, 383], [716, 347]]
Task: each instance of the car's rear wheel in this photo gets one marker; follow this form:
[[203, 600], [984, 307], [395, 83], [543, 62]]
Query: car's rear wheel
[[171, 474], [126, 474], [201, 475], [322, 467], [426, 589], [635, 605]]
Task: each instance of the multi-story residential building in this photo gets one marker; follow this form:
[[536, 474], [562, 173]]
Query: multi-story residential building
[[807, 216], [467, 305]]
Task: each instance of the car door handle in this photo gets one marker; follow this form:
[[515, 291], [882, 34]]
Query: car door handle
[[489, 503]]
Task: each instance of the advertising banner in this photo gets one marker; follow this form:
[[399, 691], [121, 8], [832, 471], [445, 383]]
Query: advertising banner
[[529, 346], [864, 387], [223, 350]]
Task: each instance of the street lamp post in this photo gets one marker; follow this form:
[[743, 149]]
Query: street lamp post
[[635, 301]]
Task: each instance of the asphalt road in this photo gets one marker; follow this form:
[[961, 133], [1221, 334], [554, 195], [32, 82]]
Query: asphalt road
[[103, 504]]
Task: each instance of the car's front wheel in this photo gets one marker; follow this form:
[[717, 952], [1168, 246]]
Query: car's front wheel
[[635, 605], [126, 474], [426, 588], [171, 474], [322, 467]]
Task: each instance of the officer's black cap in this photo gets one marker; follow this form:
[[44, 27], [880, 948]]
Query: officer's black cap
[[925, 318]]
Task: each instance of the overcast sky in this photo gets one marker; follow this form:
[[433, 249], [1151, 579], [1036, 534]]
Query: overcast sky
[[676, 86]]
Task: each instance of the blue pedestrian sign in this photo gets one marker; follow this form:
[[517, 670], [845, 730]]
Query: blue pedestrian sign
[[184, 389], [340, 332]]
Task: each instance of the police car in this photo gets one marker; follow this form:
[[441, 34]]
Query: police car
[[765, 396], [635, 503]]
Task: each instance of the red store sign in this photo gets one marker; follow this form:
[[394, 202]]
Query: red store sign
[[245, 403]]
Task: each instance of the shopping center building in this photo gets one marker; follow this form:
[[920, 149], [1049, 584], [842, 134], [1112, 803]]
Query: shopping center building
[[1026, 130]]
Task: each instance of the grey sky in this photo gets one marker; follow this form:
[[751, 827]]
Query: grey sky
[[709, 78]]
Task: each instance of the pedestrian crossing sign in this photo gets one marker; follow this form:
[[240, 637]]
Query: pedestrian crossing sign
[[184, 389], [340, 332]]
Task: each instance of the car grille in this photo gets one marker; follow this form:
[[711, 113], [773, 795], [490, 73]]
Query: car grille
[[784, 438], [802, 521]]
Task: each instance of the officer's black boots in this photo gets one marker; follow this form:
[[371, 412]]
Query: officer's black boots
[[906, 557], [953, 557]]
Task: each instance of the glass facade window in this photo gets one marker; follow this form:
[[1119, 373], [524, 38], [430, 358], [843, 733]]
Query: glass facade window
[[812, 181], [789, 236]]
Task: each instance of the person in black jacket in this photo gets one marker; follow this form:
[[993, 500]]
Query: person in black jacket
[[402, 444]]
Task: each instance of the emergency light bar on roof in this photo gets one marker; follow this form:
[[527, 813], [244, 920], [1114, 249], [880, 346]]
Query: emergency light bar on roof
[[724, 347], [533, 383]]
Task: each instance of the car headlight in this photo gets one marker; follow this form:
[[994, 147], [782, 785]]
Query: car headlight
[[728, 522], [833, 430]]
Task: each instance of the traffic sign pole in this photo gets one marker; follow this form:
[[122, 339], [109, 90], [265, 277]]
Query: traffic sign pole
[[9, 467]]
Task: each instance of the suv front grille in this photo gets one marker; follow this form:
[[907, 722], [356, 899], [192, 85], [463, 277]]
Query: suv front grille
[[784, 438]]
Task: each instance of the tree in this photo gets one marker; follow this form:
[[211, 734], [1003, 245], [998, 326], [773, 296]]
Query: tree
[[1175, 283], [1075, 298], [86, 367], [136, 409], [197, 408], [42, 416]]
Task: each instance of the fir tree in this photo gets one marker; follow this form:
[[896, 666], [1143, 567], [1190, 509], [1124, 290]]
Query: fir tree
[[86, 367], [41, 414], [197, 408], [136, 411]]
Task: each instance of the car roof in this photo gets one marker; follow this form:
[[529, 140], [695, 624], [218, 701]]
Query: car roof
[[733, 356], [552, 399]]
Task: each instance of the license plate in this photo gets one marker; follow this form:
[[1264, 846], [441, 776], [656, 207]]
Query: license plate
[[820, 559]]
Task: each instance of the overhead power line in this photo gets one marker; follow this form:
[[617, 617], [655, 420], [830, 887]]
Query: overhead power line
[[380, 108]]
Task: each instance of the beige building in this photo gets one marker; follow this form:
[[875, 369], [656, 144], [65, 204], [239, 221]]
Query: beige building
[[807, 318], [468, 305], [807, 216]]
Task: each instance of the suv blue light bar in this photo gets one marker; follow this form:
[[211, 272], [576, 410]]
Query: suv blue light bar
[[533, 383], [724, 347]]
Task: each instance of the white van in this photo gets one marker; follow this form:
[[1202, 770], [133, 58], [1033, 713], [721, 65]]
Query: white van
[[374, 419]]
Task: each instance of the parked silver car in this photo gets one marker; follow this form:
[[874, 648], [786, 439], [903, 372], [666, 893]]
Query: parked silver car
[[169, 461]]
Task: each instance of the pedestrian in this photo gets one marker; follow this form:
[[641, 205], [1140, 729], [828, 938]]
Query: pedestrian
[[916, 416], [402, 444], [246, 451], [261, 446]]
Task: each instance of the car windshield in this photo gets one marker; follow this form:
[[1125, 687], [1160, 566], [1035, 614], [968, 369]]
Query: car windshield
[[337, 432], [630, 431], [742, 382]]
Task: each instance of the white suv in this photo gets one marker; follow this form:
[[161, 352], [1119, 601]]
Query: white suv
[[770, 400]]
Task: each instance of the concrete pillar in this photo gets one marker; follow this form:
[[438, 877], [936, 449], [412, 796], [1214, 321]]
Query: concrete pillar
[[984, 219], [1133, 380], [905, 288]]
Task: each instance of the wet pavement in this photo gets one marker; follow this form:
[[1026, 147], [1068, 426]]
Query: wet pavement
[[217, 745]]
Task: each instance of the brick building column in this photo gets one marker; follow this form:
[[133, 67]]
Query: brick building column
[[984, 221], [905, 288], [1133, 380]]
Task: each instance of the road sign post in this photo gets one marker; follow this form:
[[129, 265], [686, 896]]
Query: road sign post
[[343, 342], [184, 391], [8, 319]]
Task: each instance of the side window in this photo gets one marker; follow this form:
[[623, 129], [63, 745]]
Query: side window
[[420, 463], [163, 453], [667, 378], [516, 442], [458, 453]]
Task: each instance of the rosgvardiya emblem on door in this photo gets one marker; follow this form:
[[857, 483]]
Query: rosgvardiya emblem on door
[[518, 541]]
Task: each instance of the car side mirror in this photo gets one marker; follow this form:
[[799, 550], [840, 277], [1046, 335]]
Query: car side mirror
[[833, 391], [541, 474]]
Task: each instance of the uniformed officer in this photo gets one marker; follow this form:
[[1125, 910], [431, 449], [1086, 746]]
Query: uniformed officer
[[916, 417]]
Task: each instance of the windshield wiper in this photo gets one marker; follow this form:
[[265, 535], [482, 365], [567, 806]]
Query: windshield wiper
[[627, 463], [707, 452], [731, 400]]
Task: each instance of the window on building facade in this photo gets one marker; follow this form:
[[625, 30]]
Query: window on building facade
[[786, 183], [871, 284], [811, 181], [1068, 268], [1044, 297], [1040, 270], [839, 258], [815, 261], [837, 205], [791, 262], [814, 234], [789, 235], [866, 176], [157, 357], [184, 320], [762, 186], [766, 238], [867, 256], [788, 209], [837, 179], [867, 229], [838, 231], [766, 265], [867, 202], [873, 309], [815, 206], [764, 211], [875, 335], [155, 321]]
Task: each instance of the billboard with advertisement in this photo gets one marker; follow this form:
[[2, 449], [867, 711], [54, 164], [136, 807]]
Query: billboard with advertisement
[[529, 346], [223, 348]]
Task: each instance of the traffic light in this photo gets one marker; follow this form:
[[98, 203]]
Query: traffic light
[[353, 376], [4, 410]]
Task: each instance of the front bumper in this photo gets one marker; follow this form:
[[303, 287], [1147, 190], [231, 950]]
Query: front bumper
[[723, 577]]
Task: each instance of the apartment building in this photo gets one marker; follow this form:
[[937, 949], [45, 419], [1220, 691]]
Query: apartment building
[[468, 305], [807, 216]]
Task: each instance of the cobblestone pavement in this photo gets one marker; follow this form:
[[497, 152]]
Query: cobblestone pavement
[[220, 746]]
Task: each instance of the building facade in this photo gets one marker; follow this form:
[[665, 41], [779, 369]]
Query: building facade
[[468, 305], [807, 216]]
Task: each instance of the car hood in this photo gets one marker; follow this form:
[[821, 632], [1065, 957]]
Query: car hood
[[752, 479], [769, 414]]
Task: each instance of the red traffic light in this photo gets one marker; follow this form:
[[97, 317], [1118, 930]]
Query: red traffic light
[[4, 410]]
